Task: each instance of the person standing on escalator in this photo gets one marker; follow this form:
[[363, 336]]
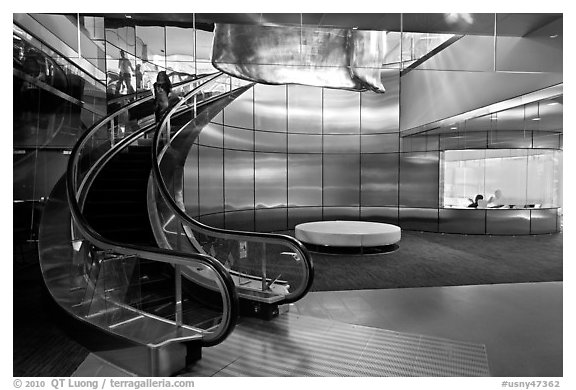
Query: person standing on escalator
[[161, 90], [124, 74]]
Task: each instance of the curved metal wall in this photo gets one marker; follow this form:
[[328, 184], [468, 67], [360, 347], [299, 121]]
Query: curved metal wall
[[283, 155]]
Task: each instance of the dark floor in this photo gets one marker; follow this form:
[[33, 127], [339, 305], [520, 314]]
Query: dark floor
[[41, 348], [433, 259]]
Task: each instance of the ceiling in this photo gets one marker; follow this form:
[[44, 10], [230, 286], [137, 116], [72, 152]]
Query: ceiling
[[476, 24]]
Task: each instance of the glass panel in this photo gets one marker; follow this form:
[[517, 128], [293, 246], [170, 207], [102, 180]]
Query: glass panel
[[151, 44]]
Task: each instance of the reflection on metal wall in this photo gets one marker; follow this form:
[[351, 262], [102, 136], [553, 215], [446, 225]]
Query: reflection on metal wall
[[212, 135], [468, 221], [325, 57], [304, 109], [239, 113], [379, 143], [270, 220], [211, 180], [304, 143], [341, 112], [379, 180], [238, 180], [304, 180], [270, 111], [241, 139], [191, 195], [418, 219], [298, 215], [269, 142], [341, 213], [379, 113], [419, 179], [271, 175], [543, 221], [507, 221], [341, 180], [337, 143], [380, 214]]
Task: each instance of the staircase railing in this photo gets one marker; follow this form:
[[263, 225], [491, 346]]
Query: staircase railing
[[111, 297]]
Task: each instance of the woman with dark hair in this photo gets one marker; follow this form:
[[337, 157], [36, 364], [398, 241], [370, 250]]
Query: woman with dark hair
[[161, 90], [475, 201]]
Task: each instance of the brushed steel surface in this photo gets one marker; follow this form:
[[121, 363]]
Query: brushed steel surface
[[341, 112], [298, 215], [418, 219], [379, 179], [211, 180], [238, 180], [379, 214], [337, 143], [270, 142], [380, 113], [191, 193], [298, 346], [341, 179], [304, 143], [419, 179], [212, 135], [543, 221], [270, 107], [341, 213], [304, 180], [270, 189], [507, 221], [239, 112], [379, 143], [239, 220], [467, 221], [304, 109], [238, 138]]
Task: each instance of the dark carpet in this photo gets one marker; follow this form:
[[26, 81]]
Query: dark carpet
[[41, 348], [434, 259]]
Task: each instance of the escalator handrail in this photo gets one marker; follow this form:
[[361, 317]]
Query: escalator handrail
[[218, 232], [230, 299], [44, 44]]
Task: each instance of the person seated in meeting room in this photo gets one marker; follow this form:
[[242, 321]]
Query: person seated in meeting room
[[497, 200], [475, 203]]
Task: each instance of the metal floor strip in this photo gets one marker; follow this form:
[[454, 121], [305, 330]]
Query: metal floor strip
[[295, 345]]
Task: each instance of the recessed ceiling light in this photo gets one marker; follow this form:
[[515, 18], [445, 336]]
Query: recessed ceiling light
[[453, 128], [553, 103], [536, 119], [128, 17], [554, 36], [355, 28]]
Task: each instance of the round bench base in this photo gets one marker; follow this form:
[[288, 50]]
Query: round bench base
[[348, 234]]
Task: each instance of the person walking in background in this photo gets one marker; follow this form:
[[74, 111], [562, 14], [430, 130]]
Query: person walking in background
[[161, 90], [124, 73]]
